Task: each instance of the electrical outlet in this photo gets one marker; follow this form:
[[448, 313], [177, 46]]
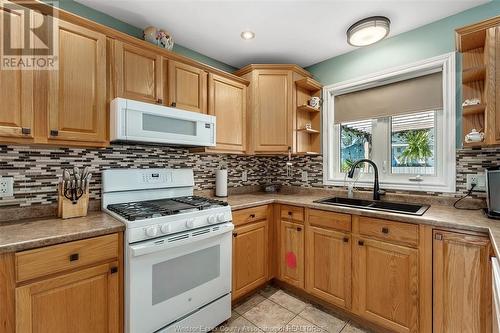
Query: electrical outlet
[[6, 186], [244, 176], [304, 176], [479, 179]]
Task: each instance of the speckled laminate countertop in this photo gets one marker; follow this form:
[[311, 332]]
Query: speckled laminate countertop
[[437, 215], [28, 234]]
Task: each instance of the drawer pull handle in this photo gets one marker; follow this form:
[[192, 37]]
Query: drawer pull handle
[[54, 132], [74, 257], [290, 213], [26, 130], [235, 234], [252, 216], [360, 242], [299, 229], [113, 270], [346, 239], [385, 230]]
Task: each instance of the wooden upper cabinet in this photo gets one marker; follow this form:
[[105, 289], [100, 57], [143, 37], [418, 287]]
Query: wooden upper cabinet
[[462, 283], [250, 257], [292, 253], [497, 84], [187, 87], [77, 90], [272, 125], [328, 265], [227, 100], [385, 281], [82, 301], [16, 86], [138, 73]]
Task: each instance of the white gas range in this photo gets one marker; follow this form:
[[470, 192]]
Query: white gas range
[[177, 250]]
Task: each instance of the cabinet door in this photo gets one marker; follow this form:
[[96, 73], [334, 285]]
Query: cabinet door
[[385, 281], [16, 86], [228, 102], [496, 83], [138, 73], [462, 285], [250, 260], [79, 302], [292, 253], [187, 86], [328, 265], [77, 91], [273, 111]]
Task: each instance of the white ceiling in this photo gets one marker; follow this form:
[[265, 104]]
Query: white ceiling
[[287, 31]]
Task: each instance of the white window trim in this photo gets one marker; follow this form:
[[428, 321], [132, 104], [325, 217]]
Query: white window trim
[[445, 180]]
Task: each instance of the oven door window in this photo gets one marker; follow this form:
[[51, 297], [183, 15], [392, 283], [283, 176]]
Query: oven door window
[[178, 275]]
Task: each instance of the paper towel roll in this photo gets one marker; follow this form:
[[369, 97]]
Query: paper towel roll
[[221, 183]]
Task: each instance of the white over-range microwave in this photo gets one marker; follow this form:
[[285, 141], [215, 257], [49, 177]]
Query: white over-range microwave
[[144, 122]]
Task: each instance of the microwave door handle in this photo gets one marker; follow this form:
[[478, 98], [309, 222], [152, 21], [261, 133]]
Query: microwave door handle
[[153, 247]]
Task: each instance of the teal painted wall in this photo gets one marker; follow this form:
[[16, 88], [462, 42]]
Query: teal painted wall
[[425, 42], [99, 17]]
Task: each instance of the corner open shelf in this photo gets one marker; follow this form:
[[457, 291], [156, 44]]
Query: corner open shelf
[[308, 140]]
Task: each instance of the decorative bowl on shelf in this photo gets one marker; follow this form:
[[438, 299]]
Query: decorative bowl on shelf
[[165, 40]]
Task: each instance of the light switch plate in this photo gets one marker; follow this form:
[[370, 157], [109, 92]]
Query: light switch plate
[[479, 179], [304, 176], [6, 186], [244, 176]]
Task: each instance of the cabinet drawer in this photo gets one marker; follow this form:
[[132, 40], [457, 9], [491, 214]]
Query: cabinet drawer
[[248, 215], [389, 230], [292, 213], [57, 258], [331, 220]]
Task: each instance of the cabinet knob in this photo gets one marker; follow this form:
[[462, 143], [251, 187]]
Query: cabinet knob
[[360, 242], [346, 239], [290, 213], [74, 257], [174, 104], [235, 234], [113, 270], [26, 130], [299, 229], [252, 215], [159, 101], [385, 230], [54, 132]]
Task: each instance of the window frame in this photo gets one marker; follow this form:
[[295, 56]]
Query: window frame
[[445, 178]]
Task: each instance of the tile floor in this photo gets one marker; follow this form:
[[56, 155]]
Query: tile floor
[[273, 310]]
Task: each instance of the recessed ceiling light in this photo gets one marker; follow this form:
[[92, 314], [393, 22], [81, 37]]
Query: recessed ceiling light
[[368, 31], [247, 35]]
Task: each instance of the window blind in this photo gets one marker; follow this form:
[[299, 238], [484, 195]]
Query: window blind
[[423, 93]]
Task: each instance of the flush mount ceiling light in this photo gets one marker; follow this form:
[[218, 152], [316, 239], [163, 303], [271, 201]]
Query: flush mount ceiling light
[[368, 31], [247, 35]]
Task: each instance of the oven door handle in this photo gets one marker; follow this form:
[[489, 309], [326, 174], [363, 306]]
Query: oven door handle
[[163, 243]]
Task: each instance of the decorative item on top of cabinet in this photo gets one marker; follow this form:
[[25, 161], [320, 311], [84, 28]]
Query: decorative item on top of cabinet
[[16, 87], [462, 283], [479, 44], [250, 250], [138, 73], [77, 90], [187, 87], [272, 109]]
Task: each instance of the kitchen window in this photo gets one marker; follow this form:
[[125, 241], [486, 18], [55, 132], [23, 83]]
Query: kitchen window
[[403, 119]]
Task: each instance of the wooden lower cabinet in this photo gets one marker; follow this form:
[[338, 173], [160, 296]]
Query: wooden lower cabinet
[[462, 283], [292, 253], [83, 301], [250, 257], [385, 283], [328, 265]]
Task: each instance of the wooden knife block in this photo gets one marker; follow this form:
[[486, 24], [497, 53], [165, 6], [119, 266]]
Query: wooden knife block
[[67, 209]]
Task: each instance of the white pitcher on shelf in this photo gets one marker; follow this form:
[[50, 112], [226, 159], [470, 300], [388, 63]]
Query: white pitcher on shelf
[[474, 136]]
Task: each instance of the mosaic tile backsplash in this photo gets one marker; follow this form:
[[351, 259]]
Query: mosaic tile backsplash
[[36, 169]]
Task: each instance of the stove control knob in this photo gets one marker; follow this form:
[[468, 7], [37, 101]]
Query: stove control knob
[[211, 219], [151, 231], [165, 228], [190, 223], [220, 217]]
